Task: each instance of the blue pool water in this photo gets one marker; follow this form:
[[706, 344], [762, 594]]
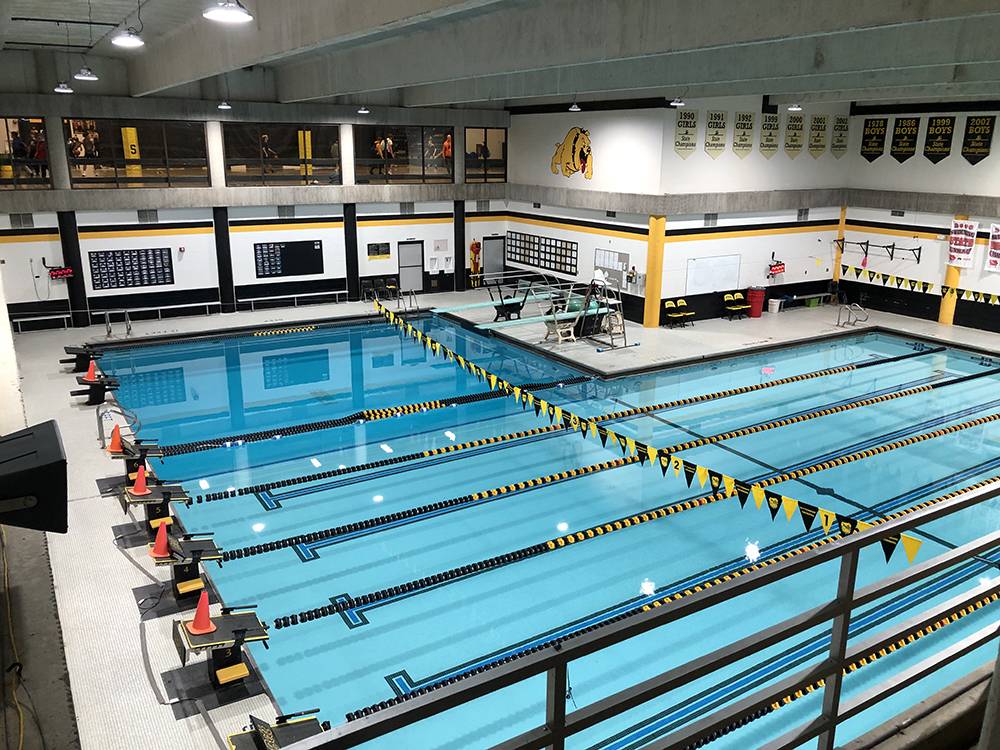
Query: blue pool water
[[203, 391]]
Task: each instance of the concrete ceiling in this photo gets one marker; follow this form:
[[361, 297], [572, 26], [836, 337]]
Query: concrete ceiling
[[503, 53]]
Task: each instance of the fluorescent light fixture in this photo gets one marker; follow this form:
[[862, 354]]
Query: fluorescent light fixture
[[203, 483], [315, 463], [795, 107], [228, 11], [563, 526], [450, 435], [258, 527], [386, 448], [377, 498], [363, 110], [63, 88], [85, 74], [575, 107], [128, 38], [678, 102], [224, 105]]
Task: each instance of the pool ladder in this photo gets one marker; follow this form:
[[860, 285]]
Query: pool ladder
[[854, 312], [104, 412]]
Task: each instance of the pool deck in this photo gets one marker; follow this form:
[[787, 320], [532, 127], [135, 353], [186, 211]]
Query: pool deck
[[115, 704]]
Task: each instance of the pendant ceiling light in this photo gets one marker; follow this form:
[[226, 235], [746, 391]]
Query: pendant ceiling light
[[225, 105], [363, 110], [85, 74], [575, 107], [128, 38], [228, 11], [63, 88], [795, 107], [678, 102]]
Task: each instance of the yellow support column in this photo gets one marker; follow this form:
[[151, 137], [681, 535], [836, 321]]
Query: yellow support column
[[840, 244], [654, 271], [952, 275]]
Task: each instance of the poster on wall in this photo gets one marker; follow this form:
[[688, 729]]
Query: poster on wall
[[904, 138], [686, 132], [978, 137], [715, 133], [770, 132], [961, 243], [379, 251], [743, 134], [937, 142], [817, 135], [841, 131], [794, 135], [993, 250], [613, 263], [873, 140], [121, 269], [298, 258]]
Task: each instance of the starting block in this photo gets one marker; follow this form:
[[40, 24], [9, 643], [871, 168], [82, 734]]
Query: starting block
[[136, 453], [81, 357], [96, 389], [187, 553], [233, 627], [285, 731]]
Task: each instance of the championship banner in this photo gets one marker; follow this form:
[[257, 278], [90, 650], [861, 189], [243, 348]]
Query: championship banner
[[841, 131], [978, 137], [817, 135], [904, 138], [873, 140], [770, 133], [794, 135], [937, 142], [686, 132], [715, 133], [961, 243], [993, 250], [743, 134]]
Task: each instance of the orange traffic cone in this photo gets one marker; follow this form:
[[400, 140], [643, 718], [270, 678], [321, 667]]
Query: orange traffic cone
[[160, 547], [91, 376], [140, 483], [115, 446], [201, 623]]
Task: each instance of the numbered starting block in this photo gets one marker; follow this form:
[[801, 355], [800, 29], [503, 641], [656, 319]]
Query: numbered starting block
[[135, 453], [233, 627], [285, 731], [187, 552]]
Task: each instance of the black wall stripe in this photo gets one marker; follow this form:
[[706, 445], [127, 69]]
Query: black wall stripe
[[351, 251], [164, 226], [75, 285], [297, 220], [224, 258], [460, 251]]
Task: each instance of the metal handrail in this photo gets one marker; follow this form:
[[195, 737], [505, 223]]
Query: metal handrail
[[553, 661], [854, 312], [131, 419]]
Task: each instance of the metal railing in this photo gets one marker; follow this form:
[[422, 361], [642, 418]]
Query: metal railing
[[855, 312], [131, 419], [828, 671]]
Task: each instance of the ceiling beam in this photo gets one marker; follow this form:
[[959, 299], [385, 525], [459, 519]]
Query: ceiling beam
[[201, 48], [581, 46]]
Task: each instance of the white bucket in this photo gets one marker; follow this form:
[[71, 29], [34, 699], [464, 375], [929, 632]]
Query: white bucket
[[773, 305]]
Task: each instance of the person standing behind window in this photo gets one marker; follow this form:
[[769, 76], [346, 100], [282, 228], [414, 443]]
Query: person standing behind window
[[18, 152], [267, 152], [42, 156], [446, 152]]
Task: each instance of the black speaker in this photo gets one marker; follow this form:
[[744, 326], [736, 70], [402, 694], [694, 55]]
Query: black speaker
[[33, 479]]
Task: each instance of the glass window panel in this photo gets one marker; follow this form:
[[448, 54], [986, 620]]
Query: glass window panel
[[24, 161], [325, 140], [186, 153], [243, 153], [282, 153], [443, 168], [474, 168], [495, 155]]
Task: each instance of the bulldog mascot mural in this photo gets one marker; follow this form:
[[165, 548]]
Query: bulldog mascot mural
[[574, 155]]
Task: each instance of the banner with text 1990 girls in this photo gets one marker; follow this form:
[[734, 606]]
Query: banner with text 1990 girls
[[961, 243], [993, 250]]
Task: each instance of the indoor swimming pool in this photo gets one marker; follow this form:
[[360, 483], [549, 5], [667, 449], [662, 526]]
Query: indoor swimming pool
[[375, 461]]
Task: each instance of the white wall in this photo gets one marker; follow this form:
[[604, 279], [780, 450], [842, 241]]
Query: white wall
[[807, 251], [381, 222], [194, 267], [243, 237], [626, 149], [24, 278]]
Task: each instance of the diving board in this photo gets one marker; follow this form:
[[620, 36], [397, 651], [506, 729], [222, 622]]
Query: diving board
[[477, 305], [542, 319]]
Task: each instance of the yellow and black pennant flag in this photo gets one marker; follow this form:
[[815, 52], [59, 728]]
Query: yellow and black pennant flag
[[790, 506], [603, 433], [689, 471], [889, 546], [664, 462], [623, 443], [886, 278], [857, 272], [899, 281], [846, 525], [715, 480], [642, 457], [773, 503], [844, 269], [702, 475], [926, 287], [872, 275], [826, 518], [678, 464], [557, 415], [945, 290], [977, 296], [910, 546], [912, 283], [730, 484], [742, 492], [585, 428], [629, 444], [808, 513], [758, 495], [652, 453]]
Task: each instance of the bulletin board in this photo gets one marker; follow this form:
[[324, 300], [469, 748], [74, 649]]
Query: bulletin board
[[718, 274]]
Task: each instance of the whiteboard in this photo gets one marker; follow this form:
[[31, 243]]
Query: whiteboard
[[718, 274]]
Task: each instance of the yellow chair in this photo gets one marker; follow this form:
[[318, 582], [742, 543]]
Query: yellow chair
[[733, 307], [682, 308], [673, 316]]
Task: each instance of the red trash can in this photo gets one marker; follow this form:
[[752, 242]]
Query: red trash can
[[755, 296]]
